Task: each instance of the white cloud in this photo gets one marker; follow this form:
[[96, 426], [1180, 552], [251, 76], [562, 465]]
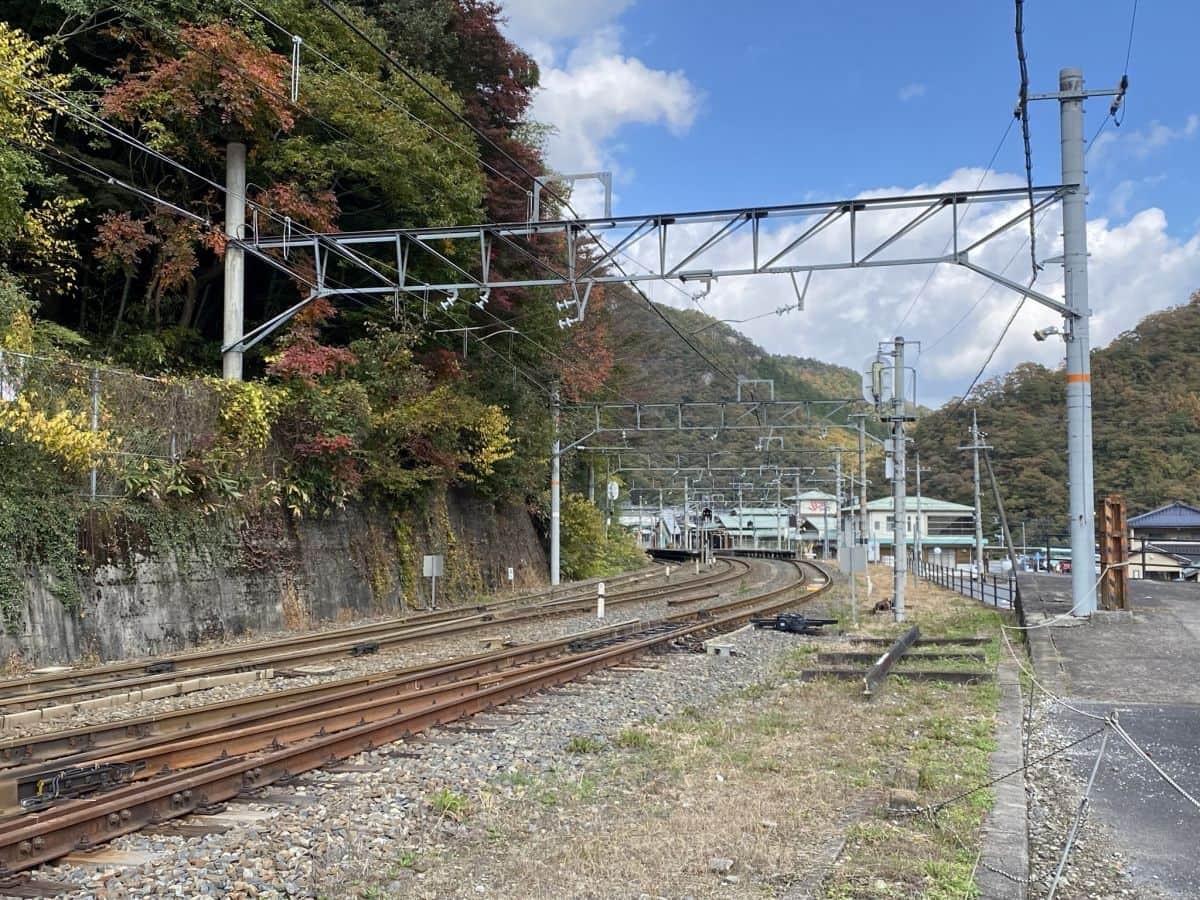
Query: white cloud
[[848, 312], [550, 21], [912, 91], [591, 88], [1143, 142]]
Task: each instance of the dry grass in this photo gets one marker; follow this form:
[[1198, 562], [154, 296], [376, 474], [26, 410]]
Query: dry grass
[[770, 777]]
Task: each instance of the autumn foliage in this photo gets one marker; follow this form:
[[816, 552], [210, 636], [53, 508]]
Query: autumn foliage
[[221, 86]]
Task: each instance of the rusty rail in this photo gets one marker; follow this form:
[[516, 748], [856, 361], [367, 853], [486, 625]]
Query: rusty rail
[[309, 648], [39, 837]]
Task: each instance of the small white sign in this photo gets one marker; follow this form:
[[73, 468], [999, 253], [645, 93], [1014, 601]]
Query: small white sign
[[614, 490], [433, 565], [511, 574]]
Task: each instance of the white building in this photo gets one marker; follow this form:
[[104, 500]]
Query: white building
[[947, 529]]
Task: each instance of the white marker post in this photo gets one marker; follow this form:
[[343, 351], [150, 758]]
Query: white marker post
[[511, 580], [433, 567], [600, 600]]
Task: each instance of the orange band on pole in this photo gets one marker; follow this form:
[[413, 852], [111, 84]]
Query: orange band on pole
[[1078, 376]]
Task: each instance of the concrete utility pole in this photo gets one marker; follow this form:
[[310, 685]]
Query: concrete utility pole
[[918, 531], [796, 544], [863, 519], [683, 533], [899, 537], [837, 504], [975, 446], [1079, 369], [234, 310], [555, 490]]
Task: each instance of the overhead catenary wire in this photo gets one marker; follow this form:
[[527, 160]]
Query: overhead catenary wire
[[89, 118], [933, 269], [1022, 112], [433, 95]]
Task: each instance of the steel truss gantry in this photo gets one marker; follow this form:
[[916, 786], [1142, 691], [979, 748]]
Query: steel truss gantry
[[449, 260], [714, 417]]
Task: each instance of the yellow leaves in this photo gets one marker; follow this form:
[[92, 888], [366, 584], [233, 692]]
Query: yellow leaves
[[492, 442], [45, 247], [18, 333], [247, 412], [23, 65], [65, 436]]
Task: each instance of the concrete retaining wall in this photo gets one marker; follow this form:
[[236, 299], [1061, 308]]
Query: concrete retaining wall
[[272, 574]]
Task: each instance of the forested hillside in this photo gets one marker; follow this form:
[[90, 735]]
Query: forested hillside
[[1146, 406], [115, 123], [654, 362]]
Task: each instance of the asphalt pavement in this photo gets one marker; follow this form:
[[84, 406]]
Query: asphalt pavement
[[1145, 664]]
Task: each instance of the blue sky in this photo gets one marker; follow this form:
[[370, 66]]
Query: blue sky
[[714, 104]]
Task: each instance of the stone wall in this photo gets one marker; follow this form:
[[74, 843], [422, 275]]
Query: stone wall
[[270, 573]]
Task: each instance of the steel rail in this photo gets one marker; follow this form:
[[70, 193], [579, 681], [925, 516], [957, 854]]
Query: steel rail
[[325, 645], [41, 837], [16, 687], [77, 742]]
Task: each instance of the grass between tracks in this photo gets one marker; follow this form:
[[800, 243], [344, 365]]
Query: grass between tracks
[[775, 777]]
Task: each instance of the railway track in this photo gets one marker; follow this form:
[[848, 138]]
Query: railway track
[[244, 754], [67, 688]]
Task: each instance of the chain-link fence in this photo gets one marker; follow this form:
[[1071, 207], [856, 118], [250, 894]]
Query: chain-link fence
[[140, 417]]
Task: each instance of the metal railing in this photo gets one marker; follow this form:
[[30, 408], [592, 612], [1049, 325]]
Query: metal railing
[[999, 591]]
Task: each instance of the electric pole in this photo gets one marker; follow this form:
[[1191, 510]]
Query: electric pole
[[919, 529], [684, 530], [837, 504], [975, 446], [863, 519], [1079, 369], [233, 312], [899, 537], [555, 490]]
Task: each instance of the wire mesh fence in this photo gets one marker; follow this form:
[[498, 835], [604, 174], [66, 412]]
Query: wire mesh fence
[[139, 417]]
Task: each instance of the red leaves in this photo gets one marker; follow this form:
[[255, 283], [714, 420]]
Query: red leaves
[[220, 73], [304, 357], [318, 210], [442, 364], [120, 240]]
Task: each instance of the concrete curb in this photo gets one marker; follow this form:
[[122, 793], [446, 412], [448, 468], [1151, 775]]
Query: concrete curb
[[1006, 828]]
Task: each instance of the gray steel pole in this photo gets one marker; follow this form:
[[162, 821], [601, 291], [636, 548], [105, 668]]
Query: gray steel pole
[[233, 313], [899, 537], [863, 518], [919, 530], [1079, 371], [837, 504], [978, 500], [95, 420], [796, 544], [555, 493], [778, 507], [683, 533]]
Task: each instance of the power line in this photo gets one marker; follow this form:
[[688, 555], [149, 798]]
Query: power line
[[1129, 43], [473, 155], [933, 270], [395, 63], [1023, 113], [996, 346]]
